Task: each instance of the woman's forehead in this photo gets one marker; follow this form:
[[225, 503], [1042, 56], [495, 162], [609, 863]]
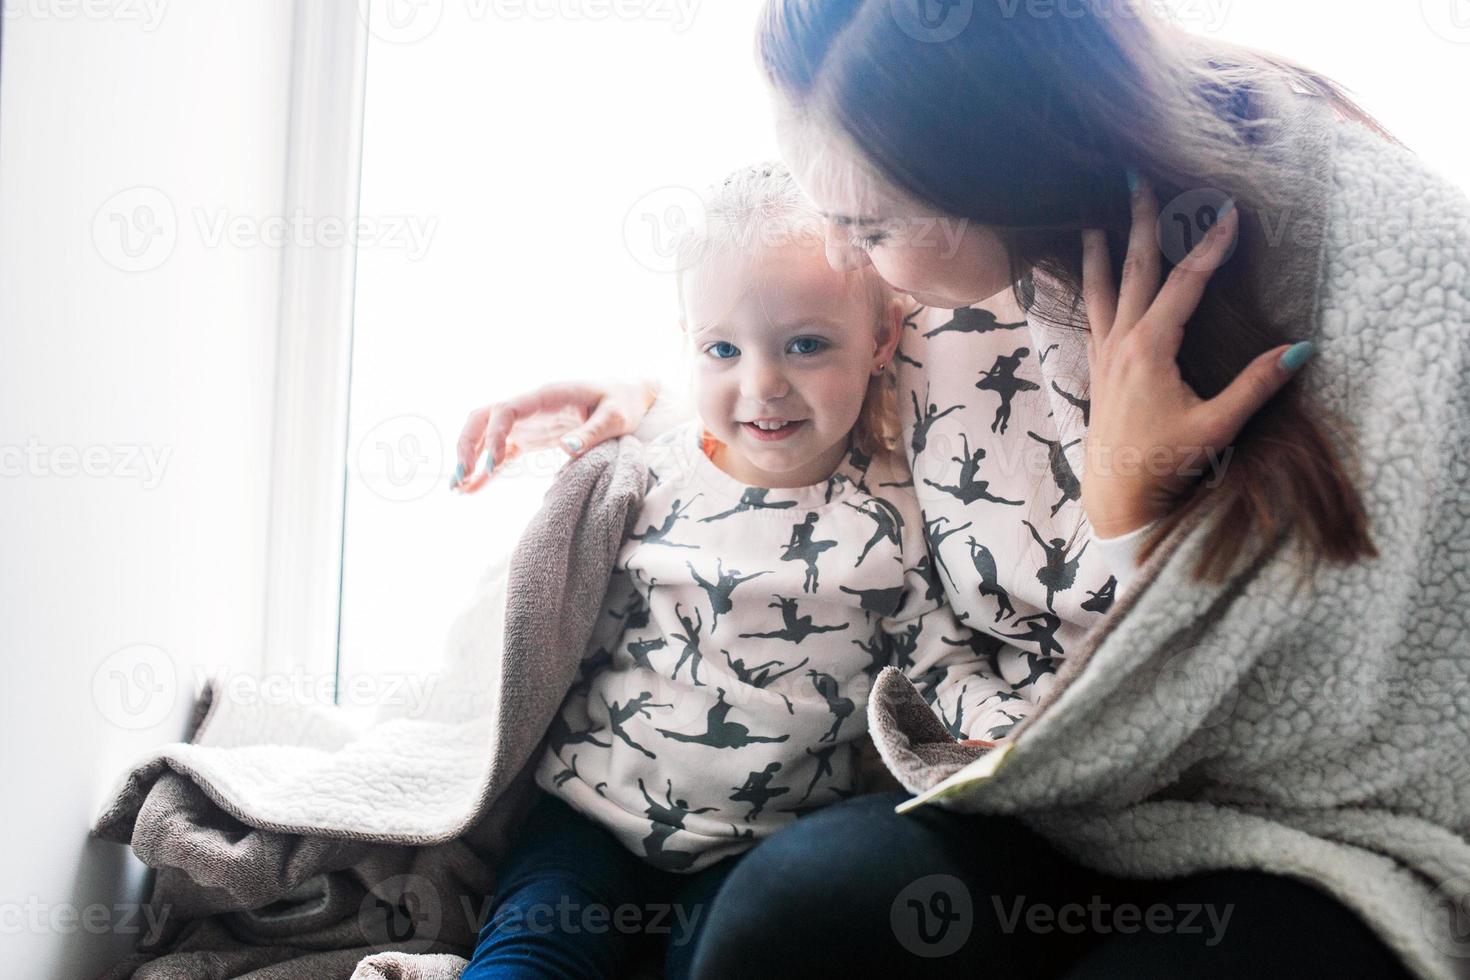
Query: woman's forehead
[[831, 172]]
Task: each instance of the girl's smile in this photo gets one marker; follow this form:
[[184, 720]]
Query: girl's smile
[[771, 431]]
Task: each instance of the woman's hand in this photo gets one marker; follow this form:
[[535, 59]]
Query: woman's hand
[[982, 742], [1150, 432], [588, 412]]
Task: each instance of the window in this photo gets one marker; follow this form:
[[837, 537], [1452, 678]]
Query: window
[[507, 166]]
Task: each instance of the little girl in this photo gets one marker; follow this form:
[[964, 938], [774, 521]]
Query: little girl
[[777, 563]]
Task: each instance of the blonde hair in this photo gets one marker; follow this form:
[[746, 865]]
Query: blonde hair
[[758, 207]]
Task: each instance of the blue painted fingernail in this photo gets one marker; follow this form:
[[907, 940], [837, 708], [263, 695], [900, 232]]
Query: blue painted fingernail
[[489, 461], [1132, 181], [458, 475], [1297, 355], [572, 444], [1225, 209]]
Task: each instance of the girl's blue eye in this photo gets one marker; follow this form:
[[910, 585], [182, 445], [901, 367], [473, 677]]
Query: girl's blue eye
[[869, 242], [817, 341], [721, 345]]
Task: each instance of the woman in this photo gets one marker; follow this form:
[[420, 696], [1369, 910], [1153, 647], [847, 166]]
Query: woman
[[964, 149]]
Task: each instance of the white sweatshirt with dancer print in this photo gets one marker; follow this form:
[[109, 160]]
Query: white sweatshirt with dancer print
[[995, 407], [743, 629]]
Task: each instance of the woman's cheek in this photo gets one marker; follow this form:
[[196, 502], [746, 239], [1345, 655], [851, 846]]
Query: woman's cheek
[[963, 272], [908, 269]]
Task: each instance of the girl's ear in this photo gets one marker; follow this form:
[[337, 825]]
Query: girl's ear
[[890, 331]]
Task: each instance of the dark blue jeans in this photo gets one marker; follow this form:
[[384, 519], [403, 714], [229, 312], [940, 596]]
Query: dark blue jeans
[[858, 890], [572, 902]]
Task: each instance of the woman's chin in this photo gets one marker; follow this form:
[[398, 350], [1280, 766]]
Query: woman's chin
[[939, 301]]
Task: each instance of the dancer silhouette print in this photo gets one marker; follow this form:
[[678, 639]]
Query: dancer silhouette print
[[1001, 378], [804, 548], [1060, 571]]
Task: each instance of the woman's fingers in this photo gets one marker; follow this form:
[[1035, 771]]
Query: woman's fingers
[[1226, 414], [469, 484], [575, 415], [486, 431], [1181, 293], [494, 423], [1098, 294], [546, 428], [608, 421], [471, 442], [619, 412], [1142, 266], [1116, 309]]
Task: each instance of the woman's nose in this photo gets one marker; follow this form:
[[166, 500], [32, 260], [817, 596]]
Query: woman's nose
[[842, 254]]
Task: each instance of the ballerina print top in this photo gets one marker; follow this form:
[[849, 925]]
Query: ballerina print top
[[996, 409], [729, 671]]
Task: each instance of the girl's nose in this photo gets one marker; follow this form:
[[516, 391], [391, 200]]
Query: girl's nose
[[762, 382]]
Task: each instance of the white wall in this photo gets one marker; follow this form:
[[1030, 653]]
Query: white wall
[[188, 102]]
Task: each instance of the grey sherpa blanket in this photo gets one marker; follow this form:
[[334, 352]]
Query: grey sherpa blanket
[[292, 845], [1322, 733]]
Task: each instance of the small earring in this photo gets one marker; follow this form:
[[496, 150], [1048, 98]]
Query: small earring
[[882, 365]]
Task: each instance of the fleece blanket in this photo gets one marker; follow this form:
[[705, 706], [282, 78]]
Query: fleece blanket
[[292, 843], [1322, 731]]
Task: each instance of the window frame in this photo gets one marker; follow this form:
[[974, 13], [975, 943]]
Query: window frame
[[302, 602]]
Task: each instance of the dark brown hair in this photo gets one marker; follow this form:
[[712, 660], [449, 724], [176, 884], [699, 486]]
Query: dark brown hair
[[1028, 123]]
